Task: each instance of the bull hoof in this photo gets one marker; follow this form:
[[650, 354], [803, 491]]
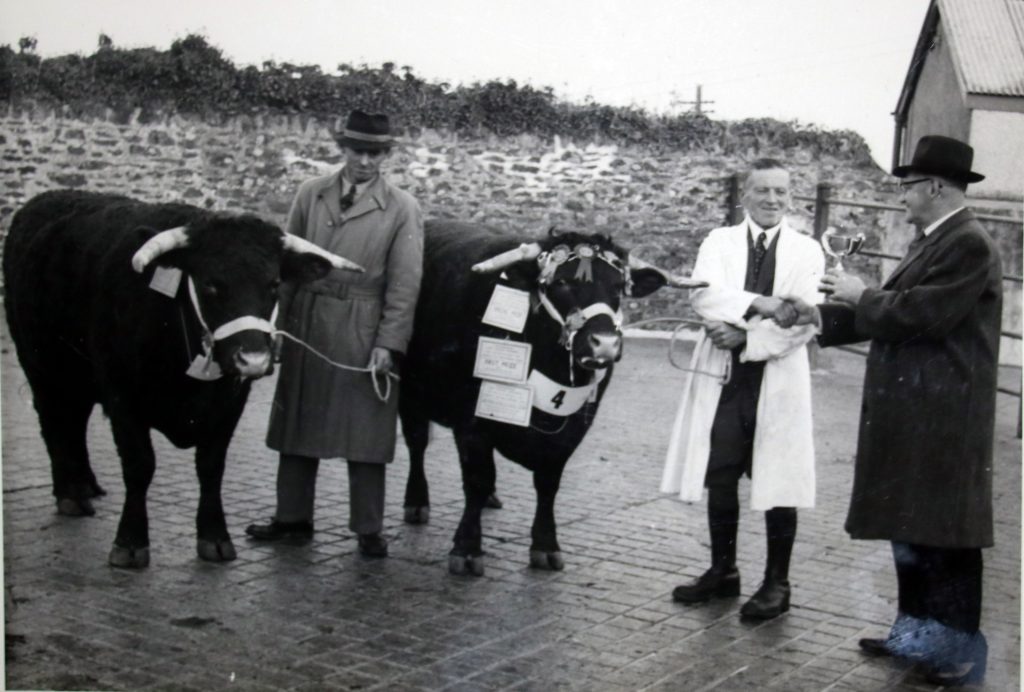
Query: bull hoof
[[96, 490], [216, 551], [129, 558], [540, 559], [466, 565], [75, 507], [417, 515], [493, 502]]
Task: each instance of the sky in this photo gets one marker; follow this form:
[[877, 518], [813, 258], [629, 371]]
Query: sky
[[837, 64]]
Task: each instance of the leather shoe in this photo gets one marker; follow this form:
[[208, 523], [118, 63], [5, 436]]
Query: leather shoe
[[875, 647], [770, 601], [372, 545], [281, 531], [714, 583]]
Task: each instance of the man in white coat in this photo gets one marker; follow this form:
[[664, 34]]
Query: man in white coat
[[759, 422]]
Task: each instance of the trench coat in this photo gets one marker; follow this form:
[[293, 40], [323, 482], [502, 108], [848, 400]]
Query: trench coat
[[782, 467], [923, 472], [319, 410]]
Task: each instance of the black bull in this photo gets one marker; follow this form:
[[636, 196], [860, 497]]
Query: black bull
[[88, 329], [438, 383]]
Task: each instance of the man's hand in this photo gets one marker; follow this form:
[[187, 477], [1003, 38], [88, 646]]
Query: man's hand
[[805, 312], [843, 287], [725, 336], [380, 360], [773, 308]]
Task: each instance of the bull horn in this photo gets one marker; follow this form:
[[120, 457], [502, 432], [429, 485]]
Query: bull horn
[[670, 279], [297, 244], [526, 251], [157, 245]]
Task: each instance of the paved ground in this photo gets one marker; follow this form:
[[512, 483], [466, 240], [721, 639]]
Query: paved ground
[[320, 617]]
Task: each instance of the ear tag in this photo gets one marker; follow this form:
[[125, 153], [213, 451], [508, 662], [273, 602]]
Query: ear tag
[[204, 368], [166, 280]]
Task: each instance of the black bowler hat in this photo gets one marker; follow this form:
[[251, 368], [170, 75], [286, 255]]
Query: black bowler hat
[[945, 156], [365, 132]]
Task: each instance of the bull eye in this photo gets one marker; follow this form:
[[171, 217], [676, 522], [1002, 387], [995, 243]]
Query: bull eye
[[212, 287], [274, 286]]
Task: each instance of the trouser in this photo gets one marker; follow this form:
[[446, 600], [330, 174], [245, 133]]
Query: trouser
[[296, 492], [942, 584]]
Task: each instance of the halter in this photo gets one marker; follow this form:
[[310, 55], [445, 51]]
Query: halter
[[205, 368], [573, 322]]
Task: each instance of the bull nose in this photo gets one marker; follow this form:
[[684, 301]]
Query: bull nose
[[252, 364], [605, 347]]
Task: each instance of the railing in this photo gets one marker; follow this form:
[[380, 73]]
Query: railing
[[823, 202]]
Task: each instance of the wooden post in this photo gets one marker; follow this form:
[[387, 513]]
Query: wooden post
[[733, 211], [821, 197]]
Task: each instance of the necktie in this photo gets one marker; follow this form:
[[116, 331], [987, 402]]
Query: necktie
[[348, 198], [759, 252]]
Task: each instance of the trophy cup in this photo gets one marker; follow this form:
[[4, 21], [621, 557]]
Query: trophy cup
[[840, 246]]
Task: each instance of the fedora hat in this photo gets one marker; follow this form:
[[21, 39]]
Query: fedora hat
[[944, 156], [365, 132]]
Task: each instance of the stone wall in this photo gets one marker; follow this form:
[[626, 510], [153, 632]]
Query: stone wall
[[659, 202]]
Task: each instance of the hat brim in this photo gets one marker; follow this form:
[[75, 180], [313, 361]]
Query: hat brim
[[363, 145], [967, 177]]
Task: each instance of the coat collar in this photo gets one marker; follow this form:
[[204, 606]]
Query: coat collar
[[785, 255], [918, 247], [373, 197]]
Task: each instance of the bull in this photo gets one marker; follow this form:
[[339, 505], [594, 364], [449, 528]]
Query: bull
[[160, 313], [568, 287]]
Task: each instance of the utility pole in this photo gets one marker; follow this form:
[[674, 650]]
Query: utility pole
[[698, 105]]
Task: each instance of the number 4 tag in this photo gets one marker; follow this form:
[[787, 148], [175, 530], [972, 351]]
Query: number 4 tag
[[558, 399]]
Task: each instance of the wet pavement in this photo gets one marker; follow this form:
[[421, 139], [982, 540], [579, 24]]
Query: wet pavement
[[320, 617]]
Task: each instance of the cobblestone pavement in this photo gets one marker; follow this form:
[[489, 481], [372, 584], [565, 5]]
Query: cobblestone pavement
[[320, 617]]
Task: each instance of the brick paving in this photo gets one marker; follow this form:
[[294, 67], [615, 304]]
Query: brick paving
[[319, 617]]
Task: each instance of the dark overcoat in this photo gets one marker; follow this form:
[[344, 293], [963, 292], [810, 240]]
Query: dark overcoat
[[923, 472], [319, 410]]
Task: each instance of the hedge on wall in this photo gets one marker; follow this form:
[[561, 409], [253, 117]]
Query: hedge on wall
[[194, 78]]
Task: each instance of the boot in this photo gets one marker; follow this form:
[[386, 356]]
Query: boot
[[772, 598], [722, 580]]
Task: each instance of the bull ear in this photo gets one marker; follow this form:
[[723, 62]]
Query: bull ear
[[302, 267], [646, 281], [522, 275]]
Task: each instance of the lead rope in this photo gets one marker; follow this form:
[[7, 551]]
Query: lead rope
[[249, 322], [382, 396]]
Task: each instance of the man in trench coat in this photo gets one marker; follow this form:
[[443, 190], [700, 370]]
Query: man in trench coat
[[923, 473], [759, 422], [363, 320]]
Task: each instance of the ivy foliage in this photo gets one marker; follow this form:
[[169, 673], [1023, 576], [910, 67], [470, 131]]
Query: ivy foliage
[[194, 78]]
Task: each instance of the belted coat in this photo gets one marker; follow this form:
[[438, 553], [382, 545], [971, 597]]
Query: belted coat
[[923, 472], [782, 473], [319, 410]]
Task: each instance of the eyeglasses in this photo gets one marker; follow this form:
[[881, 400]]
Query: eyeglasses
[[905, 184]]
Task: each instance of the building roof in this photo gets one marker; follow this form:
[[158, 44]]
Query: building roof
[[986, 43]]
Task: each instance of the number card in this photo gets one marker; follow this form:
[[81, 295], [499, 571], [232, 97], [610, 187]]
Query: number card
[[508, 309], [502, 360], [505, 403]]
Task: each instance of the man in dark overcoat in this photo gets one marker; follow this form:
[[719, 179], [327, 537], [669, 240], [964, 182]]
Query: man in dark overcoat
[[923, 473], [320, 410]]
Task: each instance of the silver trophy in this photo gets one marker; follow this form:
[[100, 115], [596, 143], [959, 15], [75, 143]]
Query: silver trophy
[[840, 246]]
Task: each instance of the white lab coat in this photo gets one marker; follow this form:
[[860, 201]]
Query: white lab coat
[[782, 472]]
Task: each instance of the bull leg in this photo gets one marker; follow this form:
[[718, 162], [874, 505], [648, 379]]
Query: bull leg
[[416, 430], [138, 463], [63, 419], [213, 541], [476, 457], [544, 550]]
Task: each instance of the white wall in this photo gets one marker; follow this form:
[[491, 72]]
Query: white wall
[[998, 141]]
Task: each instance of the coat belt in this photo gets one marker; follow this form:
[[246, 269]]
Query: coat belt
[[342, 291]]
